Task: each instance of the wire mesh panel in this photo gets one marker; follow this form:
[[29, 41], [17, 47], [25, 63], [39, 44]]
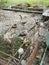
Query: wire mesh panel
[[9, 52]]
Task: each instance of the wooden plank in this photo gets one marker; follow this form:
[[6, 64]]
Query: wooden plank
[[25, 11]]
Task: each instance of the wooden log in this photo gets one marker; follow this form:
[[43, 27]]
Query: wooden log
[[31, 58]]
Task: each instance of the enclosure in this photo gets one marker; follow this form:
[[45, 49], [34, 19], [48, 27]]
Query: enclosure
[[24, 32]]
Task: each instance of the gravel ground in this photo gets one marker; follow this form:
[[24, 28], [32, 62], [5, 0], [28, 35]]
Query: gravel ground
[[8, 18]]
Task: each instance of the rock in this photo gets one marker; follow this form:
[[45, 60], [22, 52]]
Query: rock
[[22, 34], [14, 26], [41, 24], [46, 13]]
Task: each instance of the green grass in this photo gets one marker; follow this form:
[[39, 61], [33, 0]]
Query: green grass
[[32, 2]]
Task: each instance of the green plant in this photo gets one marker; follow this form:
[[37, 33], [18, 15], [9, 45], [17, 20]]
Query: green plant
[[7, 48]]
